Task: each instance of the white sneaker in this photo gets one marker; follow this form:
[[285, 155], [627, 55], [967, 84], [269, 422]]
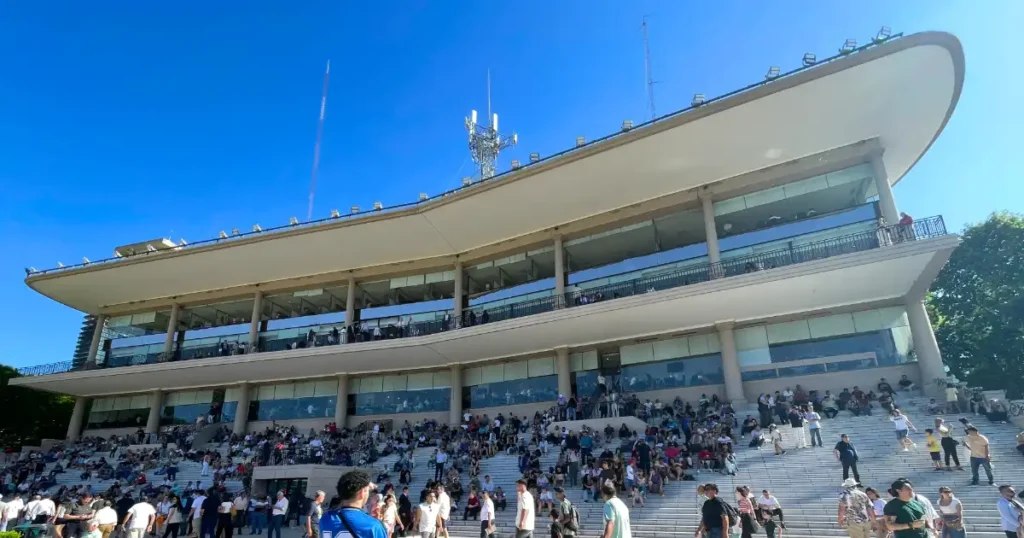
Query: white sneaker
[[905, 449]]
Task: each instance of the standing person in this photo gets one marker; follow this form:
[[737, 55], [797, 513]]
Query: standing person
[[388, 516], [195, 514], [904, 515], [316, 511], [814, 425], [616, 515], [901, 423], [934, 449], [486, 514], [210, 511], [856, 513], [225, 526], [426, 521], [140, 519], [746, 509], [277, 514], [567, 515], [106, 518], [574, 468], [948, 443], [796, 420], [439, 462], [952, 512], [1011, 513], [349, 520], [174, 517], [846, 454], [241, 511], [714, 519], [525, 511], [879, 507], [259, 515], [980, 456], [776, 436], [444, 510]]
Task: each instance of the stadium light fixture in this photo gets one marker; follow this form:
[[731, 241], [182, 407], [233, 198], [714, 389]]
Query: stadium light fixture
[[773, 73], [293, 221], [182, 242], [150, 248], [377, 206], [223, 235], [234, 232], [424, 197], [30, 270], [354, 209], [883, 34], [85, 260], [848, 46], [627, 125], [581, 141], [534, 157], [335, 213], [698, 99], [515, 164], [810, 59], [117, 253], [467, 181], [60, 265], [256, 228]]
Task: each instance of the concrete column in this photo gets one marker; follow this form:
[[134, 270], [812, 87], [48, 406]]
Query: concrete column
[[564, 374], [242, 411], [341, 406], [731, 365], [350, 306], [172, 328], [254, 323], [710, 231], [77, 416], [929, 358], [559, 271], [455, 407], [156, 402], [886, 202], [97, 335], [458, 291]]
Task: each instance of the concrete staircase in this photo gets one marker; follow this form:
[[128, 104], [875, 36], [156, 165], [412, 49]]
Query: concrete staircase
[[188, 471]]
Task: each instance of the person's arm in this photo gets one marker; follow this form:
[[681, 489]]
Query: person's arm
[[988, 455], [835, 451], [842, 514], [152, 521]]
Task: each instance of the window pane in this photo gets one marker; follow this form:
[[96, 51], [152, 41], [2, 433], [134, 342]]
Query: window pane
[[541, 367], [688, 372], [802, 370], [405, 401], [881, 343], [755, 375], [519, 391]]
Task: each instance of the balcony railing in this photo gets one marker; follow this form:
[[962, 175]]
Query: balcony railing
[[859, 242]]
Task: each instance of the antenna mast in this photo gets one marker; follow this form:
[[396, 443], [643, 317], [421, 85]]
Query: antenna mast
[[485, 142], [316, 148], [647, 68]]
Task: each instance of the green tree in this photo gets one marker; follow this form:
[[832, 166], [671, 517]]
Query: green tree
[[30, 415], [977, 304]]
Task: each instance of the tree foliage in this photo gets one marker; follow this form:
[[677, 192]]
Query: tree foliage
[[977, 304], [29, 415]]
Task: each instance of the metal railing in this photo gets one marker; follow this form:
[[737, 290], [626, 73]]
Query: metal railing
[[792, 255], [46, 369]]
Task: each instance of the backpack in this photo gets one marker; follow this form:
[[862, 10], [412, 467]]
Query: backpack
[[574, 519], [731, 511]]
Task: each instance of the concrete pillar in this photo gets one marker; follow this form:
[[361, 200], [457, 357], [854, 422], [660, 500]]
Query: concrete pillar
[[455, 407], [156, 403], [710, 231], [731, 365], [242, 411], [559, 272], [97, 335], [172, 328], [77, 416], [564, 373], [929, 358], [341, 406], [254, 323], [886, 202], [458, 291], [350, 306]]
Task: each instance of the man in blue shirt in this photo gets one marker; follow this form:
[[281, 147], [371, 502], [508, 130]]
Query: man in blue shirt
[[350, 521]]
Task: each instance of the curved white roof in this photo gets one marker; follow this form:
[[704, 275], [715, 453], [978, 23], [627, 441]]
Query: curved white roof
[[901, 92]]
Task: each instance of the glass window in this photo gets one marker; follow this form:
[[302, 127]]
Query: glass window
[[401, 401], [293, 409], [880, 343], [172, 415], [120, 418], [843, 366], [755, 375], [802, 370], [519, 391], [585, 383], [688, 372]]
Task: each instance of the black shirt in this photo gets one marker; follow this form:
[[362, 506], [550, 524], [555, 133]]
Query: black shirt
[[796, 420], [123, 506], [846, 451], [711, 513], [644, 451]]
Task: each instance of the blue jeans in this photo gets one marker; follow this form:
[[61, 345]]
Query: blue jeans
[[980, 462], [571, 413], [816, 435], [259, 522], [275, 525]]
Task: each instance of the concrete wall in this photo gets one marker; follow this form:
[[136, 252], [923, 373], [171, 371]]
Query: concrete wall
[[303, 425], [835, 381], [318, 477], [399, 420], [107, 432], [508, 410]]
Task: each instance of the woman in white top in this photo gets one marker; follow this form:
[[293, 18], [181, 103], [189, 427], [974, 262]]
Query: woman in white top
[[389, 515], [902, 424], [878, 505], [768, 503], [174, 517], [224, 524], [952, 513]]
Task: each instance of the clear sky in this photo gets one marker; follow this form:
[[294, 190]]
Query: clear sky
[[126, 121]]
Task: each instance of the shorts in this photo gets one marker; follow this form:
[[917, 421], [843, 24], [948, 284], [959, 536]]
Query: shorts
[[444, 523], [902, 434], [936, 456]]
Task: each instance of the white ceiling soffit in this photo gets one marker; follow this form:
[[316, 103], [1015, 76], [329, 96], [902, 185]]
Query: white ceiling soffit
[[901, 92]]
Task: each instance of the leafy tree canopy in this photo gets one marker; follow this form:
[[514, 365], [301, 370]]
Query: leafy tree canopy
[[30, 415], [977, 305]]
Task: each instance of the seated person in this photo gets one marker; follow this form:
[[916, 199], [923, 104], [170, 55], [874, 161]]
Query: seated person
[[884, 386], [749, 425], [935, 408], [906, 384], [997, 411], [829, 405]]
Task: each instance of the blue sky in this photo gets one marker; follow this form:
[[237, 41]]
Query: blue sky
[[125, 121]]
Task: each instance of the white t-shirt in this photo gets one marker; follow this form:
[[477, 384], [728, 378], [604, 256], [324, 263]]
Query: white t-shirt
[[900, 422], [486, 510], [444, 505], [770, 503], [106, 516], [428, 517], [525, 504], [280, 507], [879, 507], [140, 513], [224, 508], [197, 505], [813, 420], [630, 473]]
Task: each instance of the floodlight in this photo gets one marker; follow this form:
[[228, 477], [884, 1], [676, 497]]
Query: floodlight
[[256, 228], [534, 157], [293, 221], [773, 73], [515, 164], [848, 46], [467, 181], [810, 59], [377, 206], [234, 231], [883, 34], [30, 270], [354, 209], [117, 253], [627, 125], [85, 260], [60, 265], [698, 99], [424, 197], [581, 141], [182, 242], [335, 213], [223, 235], [150, 248]]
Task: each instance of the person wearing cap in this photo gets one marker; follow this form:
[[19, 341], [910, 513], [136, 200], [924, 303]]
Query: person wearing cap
[[905, 516], [856, 513], [979, 446]]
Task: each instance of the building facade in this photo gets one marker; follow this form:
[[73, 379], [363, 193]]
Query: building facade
[[746, 244]]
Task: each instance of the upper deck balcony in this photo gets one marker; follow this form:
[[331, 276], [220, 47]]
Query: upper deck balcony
[[899, 93]]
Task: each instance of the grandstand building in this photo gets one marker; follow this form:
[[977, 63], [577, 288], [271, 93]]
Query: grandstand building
[[748, 243]]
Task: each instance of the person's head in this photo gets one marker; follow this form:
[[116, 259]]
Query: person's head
[[849, 483], [742, 492], [929, 431], [354, 488], [487, 478], [945, 493], [971, 430], [872, 493], [560, 494], [844, 437], [711, 490], [319, 496], [93, 525], [700, 489], [608, 491], [431, 497], [1007, 491], [766, 494], [521, 486], [902, 489]]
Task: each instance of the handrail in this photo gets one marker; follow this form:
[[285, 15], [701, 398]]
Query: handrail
[[858, 242], [494, 178]]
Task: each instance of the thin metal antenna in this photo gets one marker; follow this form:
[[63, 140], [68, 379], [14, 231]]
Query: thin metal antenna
[[489, 117], [647, 68], [316, 148], [486, 142]]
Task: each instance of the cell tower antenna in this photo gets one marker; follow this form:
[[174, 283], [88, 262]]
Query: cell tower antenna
[[486, 142], [647, 67], [316, 148]]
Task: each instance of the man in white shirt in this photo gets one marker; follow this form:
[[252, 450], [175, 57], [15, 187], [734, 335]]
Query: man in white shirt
[[278, 514], [106, 518], [140, 519], [814, 424], [525, 511], [40, 512], [486, 513], [11, 513], [444, 509], [426, 516], [196, 513]]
